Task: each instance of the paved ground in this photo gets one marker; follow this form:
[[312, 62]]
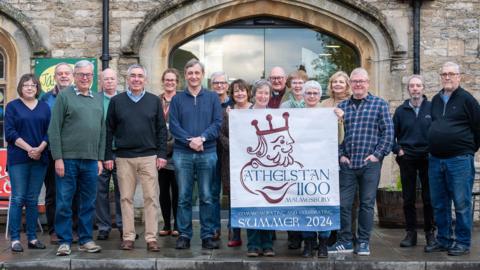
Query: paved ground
[[386, 254]]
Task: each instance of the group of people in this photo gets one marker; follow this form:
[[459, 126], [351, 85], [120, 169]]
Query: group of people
[[76, 141]]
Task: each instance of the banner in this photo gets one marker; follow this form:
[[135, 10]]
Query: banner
[[4, 180], [284, 169], [45, 71]]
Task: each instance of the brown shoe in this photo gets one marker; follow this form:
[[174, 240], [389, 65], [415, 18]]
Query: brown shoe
[[53, 239], [153, 246], [126, 245]]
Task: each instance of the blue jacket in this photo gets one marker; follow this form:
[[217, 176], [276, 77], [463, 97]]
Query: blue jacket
[[191, 116]]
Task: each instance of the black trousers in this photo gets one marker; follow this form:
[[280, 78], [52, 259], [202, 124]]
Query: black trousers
[[168, 197], [410, 169]]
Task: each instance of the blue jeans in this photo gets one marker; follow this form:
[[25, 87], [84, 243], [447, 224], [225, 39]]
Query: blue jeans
[[26, 180], [201, 166], [451, 179], [313, 235], [367, 179], [216, 188], [103, 216], [259, 239], [81, 177]]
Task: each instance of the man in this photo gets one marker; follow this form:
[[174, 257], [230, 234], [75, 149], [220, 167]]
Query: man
[[195, 120], [411, 122], [108, 81], [454, 137], [219, 83], [368, 138], [77, 140], [278, 79], [63, 77], [135, 123]]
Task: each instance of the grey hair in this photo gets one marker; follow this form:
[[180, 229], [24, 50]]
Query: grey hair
[[311, 85], [131, 67], [259, 84], [192, 62], [416, 76], [218, 74], [63, 64], [359, 71], [451, 64], [83, 63]]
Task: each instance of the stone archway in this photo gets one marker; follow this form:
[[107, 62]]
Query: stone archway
[[360, 25]]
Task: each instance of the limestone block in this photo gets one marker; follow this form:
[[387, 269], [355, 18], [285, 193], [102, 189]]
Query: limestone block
[[456, 47]]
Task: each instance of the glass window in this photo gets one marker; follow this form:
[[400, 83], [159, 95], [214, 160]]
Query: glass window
[[2, 97], [2, 66], [248, 49]]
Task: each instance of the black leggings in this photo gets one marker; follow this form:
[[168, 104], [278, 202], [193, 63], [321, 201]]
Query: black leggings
[[168, 197]]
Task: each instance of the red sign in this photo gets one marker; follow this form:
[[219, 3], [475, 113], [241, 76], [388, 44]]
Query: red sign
[[4, 179]]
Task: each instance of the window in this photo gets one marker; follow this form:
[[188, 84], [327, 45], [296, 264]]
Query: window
[[2, 96], [248, 49]]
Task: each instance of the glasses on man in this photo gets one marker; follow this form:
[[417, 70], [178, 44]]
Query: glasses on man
[[26, 85], [84, 75], [449, 75], [313, 94], [358, 81], [219, 83], [276, 78]]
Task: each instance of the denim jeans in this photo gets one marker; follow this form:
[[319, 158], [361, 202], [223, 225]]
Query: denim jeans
[[26, 180], [189, 166], [313, 235], [367, 179], [102, 214], [216, 188], [259, 239], [451, 179], [81, 177]]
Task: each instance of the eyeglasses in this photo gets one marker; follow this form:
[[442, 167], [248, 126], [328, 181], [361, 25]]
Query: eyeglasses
[[358, 81], [30, 85], [84, 75], [297, 82], [169, 80], [315, 94], [276, 78], [449, 75], [219, 83]]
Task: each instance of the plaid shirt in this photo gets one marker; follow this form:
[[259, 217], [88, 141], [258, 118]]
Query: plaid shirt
[[368, 130]]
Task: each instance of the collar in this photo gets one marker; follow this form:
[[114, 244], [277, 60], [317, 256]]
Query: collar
[[279, 93], [109, 96], [89, 94]]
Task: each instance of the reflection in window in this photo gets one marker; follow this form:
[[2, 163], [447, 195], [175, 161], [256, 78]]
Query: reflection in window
[[249, 49]]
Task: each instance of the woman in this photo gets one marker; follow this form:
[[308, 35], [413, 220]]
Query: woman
[[260, 241], [295, 98], [166, 175], [240, 94], [26, 125]]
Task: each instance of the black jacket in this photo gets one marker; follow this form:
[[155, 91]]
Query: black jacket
[[411, 131], [455, 128]]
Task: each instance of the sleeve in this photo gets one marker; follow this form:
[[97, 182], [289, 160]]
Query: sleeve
[[161, 132], [55, 126], [385, 133], [180, 134], [474, 119], [110, 127], [213, 130], [396, 129], [45, 130], [224, 133], [341, 146], [11, 134], [102, 144]]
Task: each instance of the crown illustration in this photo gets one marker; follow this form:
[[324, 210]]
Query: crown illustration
[[271, 130]]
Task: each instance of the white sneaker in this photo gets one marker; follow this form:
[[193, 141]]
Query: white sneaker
[[64, 250], [90, 247]]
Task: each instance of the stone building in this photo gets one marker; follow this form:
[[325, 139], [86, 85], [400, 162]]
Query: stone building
[[247, 35]]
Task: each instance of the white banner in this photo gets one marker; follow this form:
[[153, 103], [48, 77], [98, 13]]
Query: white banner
[[284, 169]]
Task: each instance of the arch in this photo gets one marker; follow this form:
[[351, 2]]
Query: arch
[[355, 21], [9, 51]]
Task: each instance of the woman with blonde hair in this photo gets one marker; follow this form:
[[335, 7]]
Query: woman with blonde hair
[[338, 89]]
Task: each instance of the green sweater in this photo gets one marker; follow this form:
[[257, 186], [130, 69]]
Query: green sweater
[[77, 127]]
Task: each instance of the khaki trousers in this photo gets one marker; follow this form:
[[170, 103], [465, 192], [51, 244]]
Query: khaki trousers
[[143, 169]]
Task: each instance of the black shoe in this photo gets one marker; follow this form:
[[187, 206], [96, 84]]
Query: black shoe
[[17, 247], [322, 248], [434, 247], [121, 233], [458, 250], [410, 239], [182, 243], [209, 243], [308, 248], [102, 235], [430, 238], [36, 244]]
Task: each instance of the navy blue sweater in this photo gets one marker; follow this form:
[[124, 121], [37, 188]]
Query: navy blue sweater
[[192, 116], [411, 131], [30, 125]]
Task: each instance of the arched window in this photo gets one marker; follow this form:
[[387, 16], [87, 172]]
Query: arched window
[[248, 49]]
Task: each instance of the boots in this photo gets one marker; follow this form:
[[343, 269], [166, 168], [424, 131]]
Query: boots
[[308, 248], [430, 238], [322, 248], [410, 239]]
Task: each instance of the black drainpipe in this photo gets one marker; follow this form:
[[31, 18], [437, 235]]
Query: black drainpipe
[[105, 52], [417, 4]]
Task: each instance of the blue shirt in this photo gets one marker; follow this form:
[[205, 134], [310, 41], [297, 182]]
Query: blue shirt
[[30, 125], [133, 97], [50, 96], [368, 130]]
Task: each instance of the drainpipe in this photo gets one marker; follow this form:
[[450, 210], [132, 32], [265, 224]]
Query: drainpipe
[[417, 4], [105, 35]]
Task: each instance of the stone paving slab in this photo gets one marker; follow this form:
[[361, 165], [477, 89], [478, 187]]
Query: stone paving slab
[[386, 254]]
